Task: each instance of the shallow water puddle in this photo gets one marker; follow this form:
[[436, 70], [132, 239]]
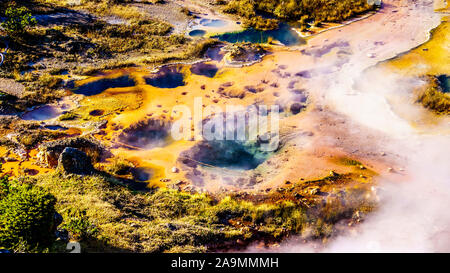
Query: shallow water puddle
[[142, 174], [167, 77], [216, 23], [56, 127], [46, 112], [97, 87], [197, 33], [444, 83], [204, 69], [215, 53], [50, 111], [285, 34], [43, 113]]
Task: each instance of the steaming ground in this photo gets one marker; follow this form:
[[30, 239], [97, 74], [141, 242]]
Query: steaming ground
[[413, 214]]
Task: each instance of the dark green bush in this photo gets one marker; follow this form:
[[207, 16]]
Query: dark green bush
[[26, 216], [78, 224], [18, 19]]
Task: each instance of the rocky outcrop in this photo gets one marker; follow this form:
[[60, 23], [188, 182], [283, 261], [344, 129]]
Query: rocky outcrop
[[49, 152], [74, 161], [243, 54], [11, 87]]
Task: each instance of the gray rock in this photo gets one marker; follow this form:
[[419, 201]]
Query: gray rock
[[74, 161], [49, 152], [11, 87]]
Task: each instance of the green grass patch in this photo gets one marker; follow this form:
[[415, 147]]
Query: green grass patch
[[167, 220]]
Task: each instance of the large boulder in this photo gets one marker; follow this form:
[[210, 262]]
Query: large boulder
[[72, 160], [49, 152]]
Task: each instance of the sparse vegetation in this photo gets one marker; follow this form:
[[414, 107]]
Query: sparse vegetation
[[106, 216], [30, 139], [86, 45], [307, 10], [434, 98], [26, 216], [120, 166], [68, 116], [78, 224], [18, 20]]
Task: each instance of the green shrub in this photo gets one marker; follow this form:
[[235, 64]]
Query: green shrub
[[228, 208], [167, 220], [18, 19], [78, 224], [319, 10], [26, 216]]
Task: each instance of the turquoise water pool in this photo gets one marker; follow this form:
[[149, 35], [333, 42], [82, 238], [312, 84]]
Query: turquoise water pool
[[197, 33], [285, 34], [213, 23], [444, 82], [97, 87]]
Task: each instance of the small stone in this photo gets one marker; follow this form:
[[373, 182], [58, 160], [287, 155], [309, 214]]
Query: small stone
[[175, 170]]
